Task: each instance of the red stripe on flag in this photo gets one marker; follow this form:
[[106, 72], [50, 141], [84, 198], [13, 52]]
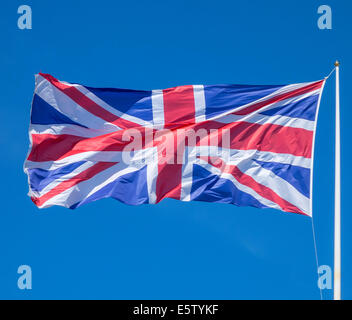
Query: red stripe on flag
[[262, 190], [50, 147], [63, 186], [179, 105], [88, 104], [248, 181], [287, 95], [242, 136], [265, 137], [168, 184]]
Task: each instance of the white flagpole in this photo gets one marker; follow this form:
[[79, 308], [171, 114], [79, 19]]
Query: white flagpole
[[337, 233]]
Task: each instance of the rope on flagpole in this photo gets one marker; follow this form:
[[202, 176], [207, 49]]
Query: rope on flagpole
[[331, 72]]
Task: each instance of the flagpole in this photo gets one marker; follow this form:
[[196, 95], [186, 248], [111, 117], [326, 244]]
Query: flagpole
[[337, 233]]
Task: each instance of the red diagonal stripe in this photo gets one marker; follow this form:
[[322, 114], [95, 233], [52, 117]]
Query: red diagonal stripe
[[50, 147], [88, 104], [84, 175], [248, 181], [287, 95]]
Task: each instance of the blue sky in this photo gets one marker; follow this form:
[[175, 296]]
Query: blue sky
[[173, 250]]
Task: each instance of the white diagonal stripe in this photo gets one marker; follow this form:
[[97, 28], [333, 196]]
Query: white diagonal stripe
[[238, 185], [70, 129], [264, 119], [62, 178], [280, 186], [65, 105], [257, 117], [236, 156], [280, 91], [109, 108]]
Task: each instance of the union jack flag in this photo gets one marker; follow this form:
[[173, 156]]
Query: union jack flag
[[248, 145]]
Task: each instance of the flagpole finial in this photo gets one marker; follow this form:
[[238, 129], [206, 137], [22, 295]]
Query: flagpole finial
[[337, 63]]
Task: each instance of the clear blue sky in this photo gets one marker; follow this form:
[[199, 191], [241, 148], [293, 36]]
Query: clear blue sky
[[172, 250]]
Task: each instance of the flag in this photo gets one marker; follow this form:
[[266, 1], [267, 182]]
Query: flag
[[247, 145]]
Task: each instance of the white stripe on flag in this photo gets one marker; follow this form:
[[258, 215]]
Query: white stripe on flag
[[199, 102], [280, 186], [263, 119], [109, 108], [158, 108], [65, 105], [238, 185], [58, 129]]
